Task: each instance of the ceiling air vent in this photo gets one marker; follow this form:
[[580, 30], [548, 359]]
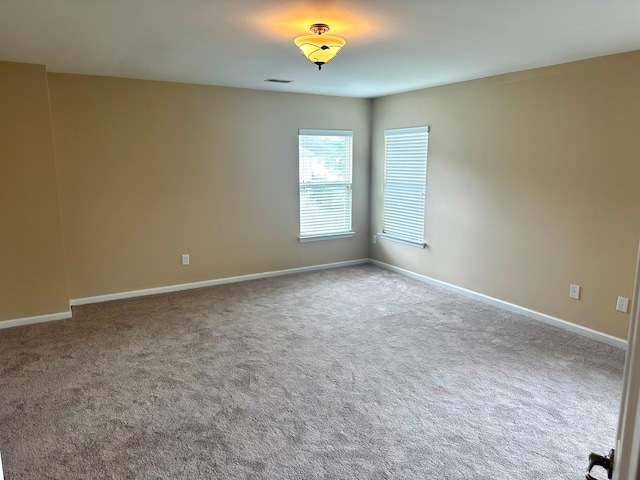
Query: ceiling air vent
[[277, 80]]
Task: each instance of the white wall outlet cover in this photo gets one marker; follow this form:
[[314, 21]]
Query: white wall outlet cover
[[574, 291], [622, 305], [185, 259], [374, 239]]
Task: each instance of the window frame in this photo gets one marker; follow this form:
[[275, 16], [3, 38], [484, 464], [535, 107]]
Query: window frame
[[415, 236], [307, 186]]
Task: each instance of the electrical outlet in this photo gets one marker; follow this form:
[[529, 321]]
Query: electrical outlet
[[622, 305], [374, 239], [185, 259], [574, 291]]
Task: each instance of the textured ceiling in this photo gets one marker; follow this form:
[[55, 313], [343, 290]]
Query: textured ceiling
[[392, 46]]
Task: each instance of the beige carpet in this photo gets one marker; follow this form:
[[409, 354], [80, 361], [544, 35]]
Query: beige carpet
[[353, 373]]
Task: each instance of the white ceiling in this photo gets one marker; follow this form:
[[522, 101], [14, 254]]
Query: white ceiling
[[392, 46]]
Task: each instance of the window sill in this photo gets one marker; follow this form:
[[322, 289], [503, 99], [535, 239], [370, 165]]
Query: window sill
[[333, 236], [393, 238]]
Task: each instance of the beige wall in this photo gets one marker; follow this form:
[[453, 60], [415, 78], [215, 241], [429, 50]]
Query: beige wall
[[150, 170], [32, 270], [532, 185]]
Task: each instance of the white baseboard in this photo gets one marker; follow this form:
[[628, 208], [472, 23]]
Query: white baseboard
[[542, 317], [1, 474], [30, 320], [210, 283]]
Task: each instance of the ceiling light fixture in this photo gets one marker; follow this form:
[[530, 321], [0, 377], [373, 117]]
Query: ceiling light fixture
[[319, 48]]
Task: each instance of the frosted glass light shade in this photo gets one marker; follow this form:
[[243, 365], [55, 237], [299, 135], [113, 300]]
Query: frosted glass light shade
[[319, 49]]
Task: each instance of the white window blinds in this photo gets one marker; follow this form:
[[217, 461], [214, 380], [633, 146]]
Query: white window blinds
[[405, 181], [325, 183]]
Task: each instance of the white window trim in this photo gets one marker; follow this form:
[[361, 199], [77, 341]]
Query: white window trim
[[331, 236]]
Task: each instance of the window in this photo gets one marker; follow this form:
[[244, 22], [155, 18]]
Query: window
[[405, 181], [325, 183]]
